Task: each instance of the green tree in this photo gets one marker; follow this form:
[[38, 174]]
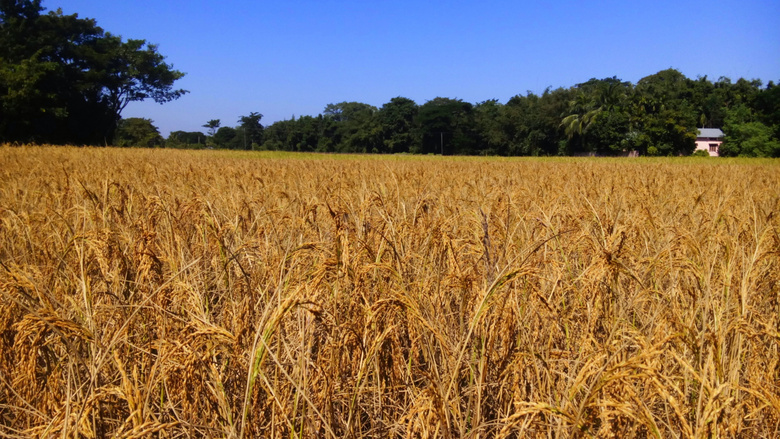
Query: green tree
[[251, 130], [396, 119], [767, 107], [352, 127], [533, 123], [489, 129], [746, 136], [64, 80], [227, 137], [750, 139], [345, 111], [212, 126], [521, 124], [709, 102], [309, 131], [582, 114], [302, 134], [663, 115], [136, 131], [275, 135], [599, 104], [185, 139], [609, 134], [446, 126], [669, 131]]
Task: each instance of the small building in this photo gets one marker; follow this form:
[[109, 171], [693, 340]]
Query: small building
[[710, 139]]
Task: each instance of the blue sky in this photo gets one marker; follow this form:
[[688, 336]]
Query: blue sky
[[285, 58]]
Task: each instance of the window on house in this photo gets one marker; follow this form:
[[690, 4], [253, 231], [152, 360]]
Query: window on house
[[713, 147]]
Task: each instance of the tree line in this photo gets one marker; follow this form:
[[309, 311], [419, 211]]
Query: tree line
[[65, 80], [659, 115]]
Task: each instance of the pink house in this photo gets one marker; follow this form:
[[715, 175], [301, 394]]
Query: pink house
[[709, 139]]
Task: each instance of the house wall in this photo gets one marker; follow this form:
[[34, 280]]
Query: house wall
[[703, 144]]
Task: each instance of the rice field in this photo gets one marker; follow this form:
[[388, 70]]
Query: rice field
[[179, 294]]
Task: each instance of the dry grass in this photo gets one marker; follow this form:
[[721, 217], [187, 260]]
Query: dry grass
[[187, 294]]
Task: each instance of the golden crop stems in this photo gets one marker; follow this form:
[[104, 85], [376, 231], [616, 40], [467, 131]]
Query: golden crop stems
[[210, 294]]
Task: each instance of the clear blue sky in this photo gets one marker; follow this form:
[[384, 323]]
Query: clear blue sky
[[284, 58]]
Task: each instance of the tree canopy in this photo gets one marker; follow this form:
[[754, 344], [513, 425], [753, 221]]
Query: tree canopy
[[63, 79], [660, 115], [136, 131]]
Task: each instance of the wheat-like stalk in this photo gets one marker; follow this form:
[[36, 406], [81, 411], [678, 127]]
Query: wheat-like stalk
[[205, 294]]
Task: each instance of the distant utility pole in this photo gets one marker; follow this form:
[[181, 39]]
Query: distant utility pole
[[441, 133]]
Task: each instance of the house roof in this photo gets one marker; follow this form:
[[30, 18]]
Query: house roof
[[710, 132]]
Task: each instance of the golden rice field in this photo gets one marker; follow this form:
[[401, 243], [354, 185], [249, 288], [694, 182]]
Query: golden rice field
[[175, 294]]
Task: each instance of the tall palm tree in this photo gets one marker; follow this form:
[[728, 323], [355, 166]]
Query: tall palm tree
[[582, 114], [584, 109]]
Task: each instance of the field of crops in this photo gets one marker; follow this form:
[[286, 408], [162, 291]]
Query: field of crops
[[158, 293]]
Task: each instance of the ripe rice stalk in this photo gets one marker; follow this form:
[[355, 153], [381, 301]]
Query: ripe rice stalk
[[214, 294]]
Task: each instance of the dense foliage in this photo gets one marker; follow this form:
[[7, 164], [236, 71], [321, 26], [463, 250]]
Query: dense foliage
[[64, 80], [136, 131], [660, 115]]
